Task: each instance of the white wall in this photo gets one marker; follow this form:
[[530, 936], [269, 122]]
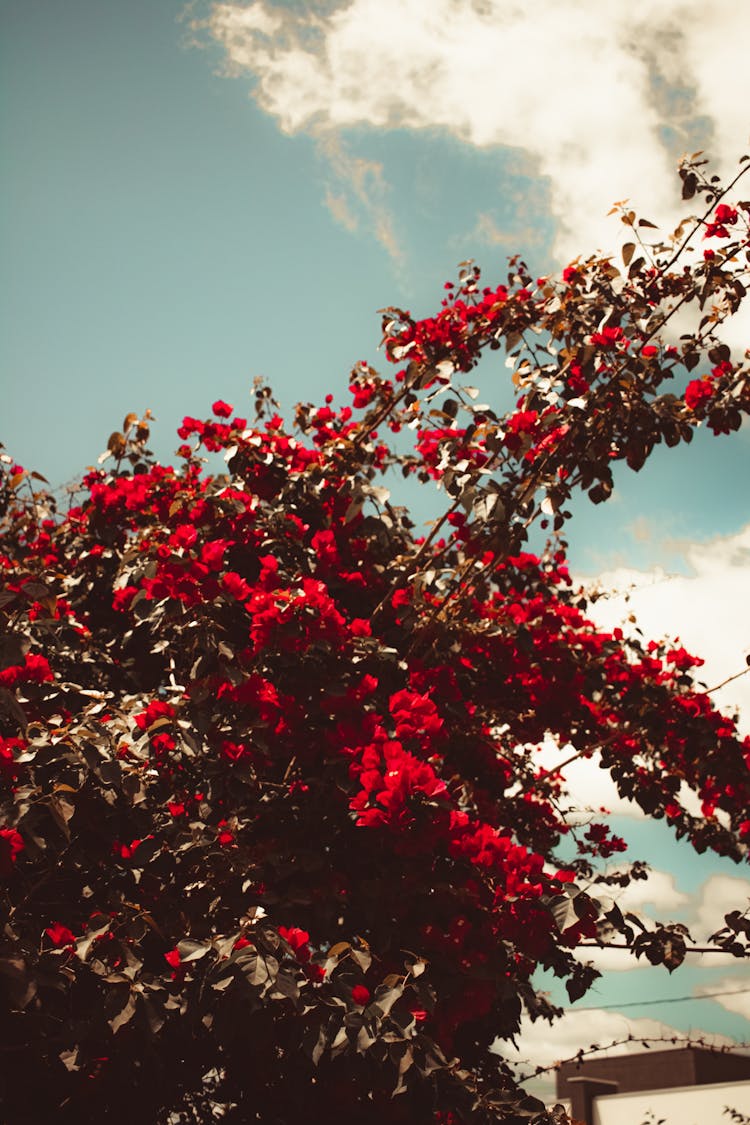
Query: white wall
[[685, 1105]]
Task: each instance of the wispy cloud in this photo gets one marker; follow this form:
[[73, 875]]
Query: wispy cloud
[[600, 98], [489, 230], [736, 994], [339, 207], [359, 194]]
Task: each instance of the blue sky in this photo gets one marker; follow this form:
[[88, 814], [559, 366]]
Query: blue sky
[[194, 196], [164, 241]]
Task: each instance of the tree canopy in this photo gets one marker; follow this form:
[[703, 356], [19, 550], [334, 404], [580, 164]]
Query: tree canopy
[[275, 840]]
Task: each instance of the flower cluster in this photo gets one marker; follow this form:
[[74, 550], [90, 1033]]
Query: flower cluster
[[724, 217]]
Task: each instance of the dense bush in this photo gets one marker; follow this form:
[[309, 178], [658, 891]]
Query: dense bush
[[274, 836]]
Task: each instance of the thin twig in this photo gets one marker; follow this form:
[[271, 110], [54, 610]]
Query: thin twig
[[624, 945], [728, 680]]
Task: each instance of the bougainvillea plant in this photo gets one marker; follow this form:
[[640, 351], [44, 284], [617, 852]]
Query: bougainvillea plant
[[275, 839]]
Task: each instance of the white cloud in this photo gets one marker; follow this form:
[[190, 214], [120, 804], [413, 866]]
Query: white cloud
[[607, 960], [658, 890], [736, 994], [241, 24], [590, 789], [705, 609], [719, 895], [601, 98]]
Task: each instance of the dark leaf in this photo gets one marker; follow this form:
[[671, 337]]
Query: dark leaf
[[125, 1014]]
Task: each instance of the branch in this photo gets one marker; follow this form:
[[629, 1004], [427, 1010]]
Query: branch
[[623, 945], [728, 680], [699, 222], [588, 751]]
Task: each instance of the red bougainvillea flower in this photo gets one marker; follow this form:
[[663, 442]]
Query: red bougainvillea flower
[[155, 710], [609, 337], [575, 380], [298, 939], [235, 585], [123, 598], [11, 846], [724, 216], [697, 392], [212, 554], [233, 751], [125, 851], [364, 393], [222, 409], [178, 969], [401, 599], [224, 835], [414, 716], [183, 536], [361, 995], [60, 935], [9, 749], [35, 669]]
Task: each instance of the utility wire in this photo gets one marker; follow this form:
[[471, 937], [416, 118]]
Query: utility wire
[[671, 1000]]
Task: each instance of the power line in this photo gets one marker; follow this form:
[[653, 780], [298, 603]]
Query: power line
[[671, 1000]]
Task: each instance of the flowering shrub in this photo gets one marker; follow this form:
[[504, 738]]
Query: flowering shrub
[[275, 840]]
